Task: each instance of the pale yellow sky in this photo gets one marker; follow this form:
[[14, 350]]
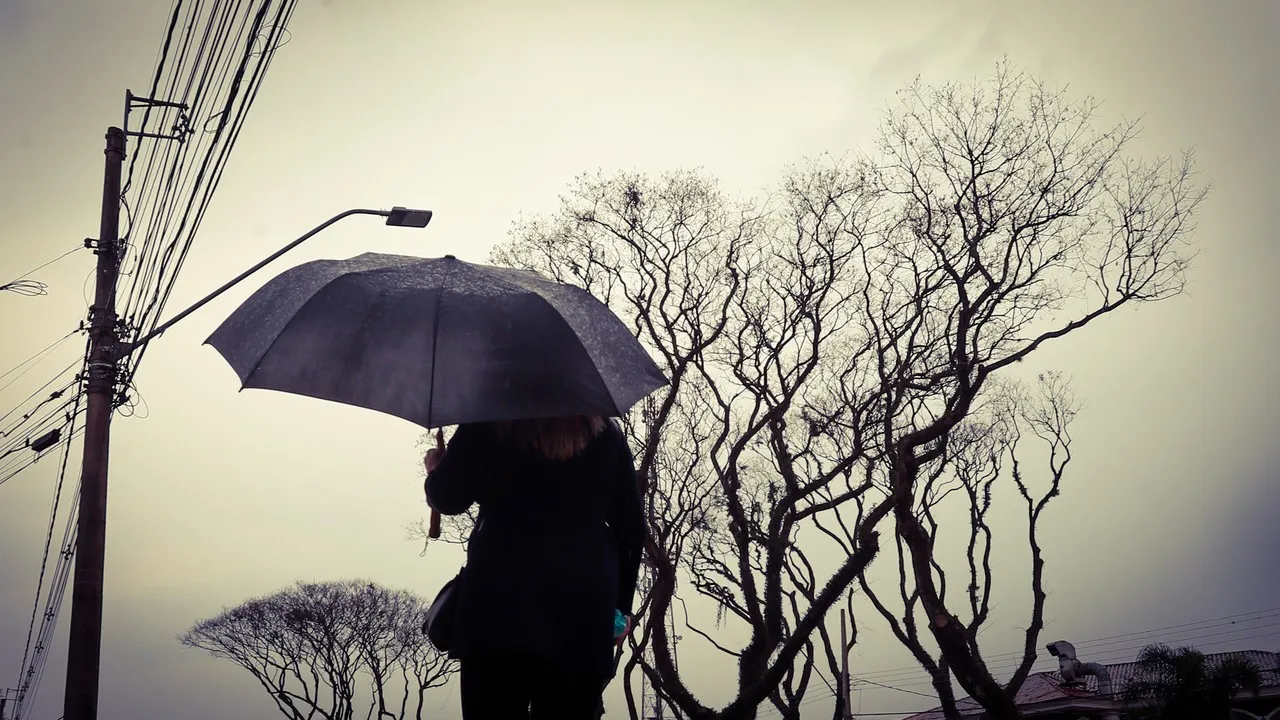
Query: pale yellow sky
[[483, 110]]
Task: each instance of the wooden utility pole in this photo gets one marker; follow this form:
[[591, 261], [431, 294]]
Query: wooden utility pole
[[845, 711], [85, 644]]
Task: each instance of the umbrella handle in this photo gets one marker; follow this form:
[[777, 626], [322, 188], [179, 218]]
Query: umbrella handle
[[433, 531]]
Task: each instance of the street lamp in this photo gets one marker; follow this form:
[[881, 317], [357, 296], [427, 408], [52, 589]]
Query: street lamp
[[396, 217], [85, 642], [407, 217]]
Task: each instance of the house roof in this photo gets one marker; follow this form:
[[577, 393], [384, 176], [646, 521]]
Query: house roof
[[1044, 687]]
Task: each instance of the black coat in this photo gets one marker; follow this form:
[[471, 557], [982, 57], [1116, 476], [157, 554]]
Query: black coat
[[556, 550]]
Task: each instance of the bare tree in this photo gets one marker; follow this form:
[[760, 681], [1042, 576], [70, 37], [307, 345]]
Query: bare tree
[[745, 306], [1014, 223], [835, 351], [313, 647]]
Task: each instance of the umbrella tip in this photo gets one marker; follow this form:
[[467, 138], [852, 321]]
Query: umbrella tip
[[450, 257]]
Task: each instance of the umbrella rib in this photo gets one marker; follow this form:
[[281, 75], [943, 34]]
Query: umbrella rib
[[435, 344], [595, 367]]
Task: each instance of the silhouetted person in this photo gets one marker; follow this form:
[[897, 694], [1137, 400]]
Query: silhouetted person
[[555, 551]]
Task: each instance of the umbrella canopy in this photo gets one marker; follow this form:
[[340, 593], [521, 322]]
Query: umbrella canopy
[[436, 341]]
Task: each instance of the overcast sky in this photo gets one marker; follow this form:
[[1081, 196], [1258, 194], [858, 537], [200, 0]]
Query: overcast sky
[[482, 110]]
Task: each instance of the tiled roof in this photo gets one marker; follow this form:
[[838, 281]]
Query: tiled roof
[[1047, 686]]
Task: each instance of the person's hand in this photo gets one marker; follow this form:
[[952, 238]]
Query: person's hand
[[625, 632], [432, 459]]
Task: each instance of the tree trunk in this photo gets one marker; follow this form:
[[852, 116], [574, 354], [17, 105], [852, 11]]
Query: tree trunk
[[941, 678], [962, 660]]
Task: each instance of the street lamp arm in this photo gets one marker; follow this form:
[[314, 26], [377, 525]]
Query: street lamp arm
[[399, 216]]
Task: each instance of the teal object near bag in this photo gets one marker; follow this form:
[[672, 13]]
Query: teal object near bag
[[619, 624]]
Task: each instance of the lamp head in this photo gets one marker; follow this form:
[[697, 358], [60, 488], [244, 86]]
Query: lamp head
[[408, 217]]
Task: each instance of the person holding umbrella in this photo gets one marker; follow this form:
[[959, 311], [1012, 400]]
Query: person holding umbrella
[[528, 370], [554, 553]]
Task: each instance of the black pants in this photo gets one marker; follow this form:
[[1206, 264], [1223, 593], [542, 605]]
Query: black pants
[[511, 689]]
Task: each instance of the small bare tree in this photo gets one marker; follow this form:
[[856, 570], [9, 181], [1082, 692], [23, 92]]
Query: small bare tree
[[316, 647]]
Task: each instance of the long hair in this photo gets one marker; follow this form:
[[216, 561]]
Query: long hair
[[554, 438]]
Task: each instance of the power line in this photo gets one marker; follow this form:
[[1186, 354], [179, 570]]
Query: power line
[[1212, 622], [1084, 644], [1112, 657], [20, 429], [24, 436], [37, 651], [859, 681], [209, 68], [1107, 640], [44, 559], [34, 418], [35, 359], [34, 672], [1115, 694], [9, 431], [29, 288], [1119, 655], [1132, 641], [16, 469], [220, 87], [1126, 655], [22, 286]]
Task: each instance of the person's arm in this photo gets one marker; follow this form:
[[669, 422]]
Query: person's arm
[[451, 486], [626, 517]]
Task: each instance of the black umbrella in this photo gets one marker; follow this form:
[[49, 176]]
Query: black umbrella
[[436, 341]]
